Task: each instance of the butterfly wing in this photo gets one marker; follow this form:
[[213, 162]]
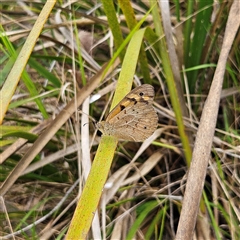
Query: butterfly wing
[[143, 92], [136, 123], [134, 118]]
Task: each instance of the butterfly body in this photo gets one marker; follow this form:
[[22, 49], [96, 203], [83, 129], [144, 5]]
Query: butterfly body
[[134, 118]]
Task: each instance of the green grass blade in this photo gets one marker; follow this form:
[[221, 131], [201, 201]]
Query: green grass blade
[[45, 73], [113, 24], [172, 86], [148, 207], [132, 22], [199, 32]]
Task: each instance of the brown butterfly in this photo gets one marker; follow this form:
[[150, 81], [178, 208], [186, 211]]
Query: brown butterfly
[[134, 118]]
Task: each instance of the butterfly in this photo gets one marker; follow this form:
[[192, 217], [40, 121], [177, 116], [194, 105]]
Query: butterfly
[[134, 118]]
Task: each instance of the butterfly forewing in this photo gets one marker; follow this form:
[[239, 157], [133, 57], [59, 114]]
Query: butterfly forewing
[[144, 91]]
